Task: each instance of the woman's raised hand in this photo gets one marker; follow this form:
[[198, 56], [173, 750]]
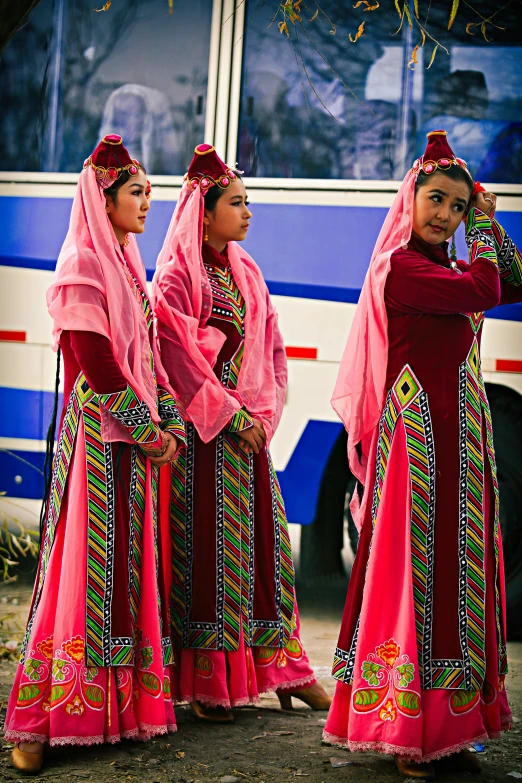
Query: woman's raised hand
[[486, 202], [253, 438]]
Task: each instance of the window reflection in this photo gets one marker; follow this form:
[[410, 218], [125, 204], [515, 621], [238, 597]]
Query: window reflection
[[70, 75], [467, 92]]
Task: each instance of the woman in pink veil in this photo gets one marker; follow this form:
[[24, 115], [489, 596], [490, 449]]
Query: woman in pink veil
[[235, 621], [421, 656], [97, 659]]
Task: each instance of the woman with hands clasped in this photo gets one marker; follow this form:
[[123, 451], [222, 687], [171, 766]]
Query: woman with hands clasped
[[97, 658], [235, 621]]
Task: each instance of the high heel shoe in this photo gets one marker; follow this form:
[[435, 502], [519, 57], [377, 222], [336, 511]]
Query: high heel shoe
[[408, 769], [211, 714], [315, 696], [26, 761]]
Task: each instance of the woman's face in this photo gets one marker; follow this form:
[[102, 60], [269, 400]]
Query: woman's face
[[440, 204], [127, 214], [229, 220]]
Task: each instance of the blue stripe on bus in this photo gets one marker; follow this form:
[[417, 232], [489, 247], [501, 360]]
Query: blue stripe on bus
[[21, 471], [324, 293], [293, 244], [25, 413], [301, 479]]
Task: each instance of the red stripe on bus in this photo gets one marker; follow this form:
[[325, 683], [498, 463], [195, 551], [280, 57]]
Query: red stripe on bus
[[15, 337], [301, 353], [508, 365]]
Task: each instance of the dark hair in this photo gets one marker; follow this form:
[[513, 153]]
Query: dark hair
[[213, 195], [49, 450], [454, 172], [124, 177]]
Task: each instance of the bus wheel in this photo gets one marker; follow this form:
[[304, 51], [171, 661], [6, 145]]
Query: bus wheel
[[506, 413], [322, 541]]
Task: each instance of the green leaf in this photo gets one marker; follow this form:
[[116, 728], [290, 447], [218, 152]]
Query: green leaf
[[434, 52], [407, 672], [363, 698], [370, 671], [408, 15], [408, 700], [453, 14]]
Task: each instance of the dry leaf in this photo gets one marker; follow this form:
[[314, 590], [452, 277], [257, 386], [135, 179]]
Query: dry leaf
[[453, 14], [413, 61], [483, 31], [180, 754], [171, 7], [103, 8], [271, 734], [367, 3], [469, 26], [434, 52], [283, 28], [358, 34], [416, 8], [314, 17]]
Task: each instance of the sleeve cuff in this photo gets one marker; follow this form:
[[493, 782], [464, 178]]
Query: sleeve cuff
[[508, 255], [133, 413], [241, 420], [171, 420]]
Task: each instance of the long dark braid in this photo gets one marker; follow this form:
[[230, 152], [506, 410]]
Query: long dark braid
[[49, 449]]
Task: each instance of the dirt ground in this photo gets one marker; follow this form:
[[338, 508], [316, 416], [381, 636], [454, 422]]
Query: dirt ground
[[264, 744]]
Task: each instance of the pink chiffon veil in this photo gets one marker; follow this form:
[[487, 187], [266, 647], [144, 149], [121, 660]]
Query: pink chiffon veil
[[360, 388], [90, 292], [262, 379]]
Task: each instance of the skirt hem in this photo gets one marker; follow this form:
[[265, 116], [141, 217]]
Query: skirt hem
[[142, 732], [411, 754], [211, 701]]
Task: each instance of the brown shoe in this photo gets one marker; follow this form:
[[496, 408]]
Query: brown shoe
[[211, 714], [315, 696], [409, 769], [30, 763]]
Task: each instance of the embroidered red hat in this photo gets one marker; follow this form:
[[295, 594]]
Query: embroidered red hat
[[207, 169], [109, 159], [438, 154]]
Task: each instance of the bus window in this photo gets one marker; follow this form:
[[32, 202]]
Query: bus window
[[70, 75], [473, 91]]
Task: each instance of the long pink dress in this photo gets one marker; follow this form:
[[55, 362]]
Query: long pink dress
[[421, 658], [235, 620], [97, 661]]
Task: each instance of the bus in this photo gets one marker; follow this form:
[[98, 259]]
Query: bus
[[320, 186]]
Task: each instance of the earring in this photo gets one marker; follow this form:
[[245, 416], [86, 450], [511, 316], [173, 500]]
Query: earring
[[205, 235], [126, 240], [453, 251]]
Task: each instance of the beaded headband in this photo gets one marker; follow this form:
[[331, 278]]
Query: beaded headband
[[207, 169], [106, 161], [438, 155]]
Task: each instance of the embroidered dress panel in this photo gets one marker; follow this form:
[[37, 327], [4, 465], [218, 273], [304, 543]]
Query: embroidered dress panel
[[234, 482], [408, 403], [101, 648], [227, 302]]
